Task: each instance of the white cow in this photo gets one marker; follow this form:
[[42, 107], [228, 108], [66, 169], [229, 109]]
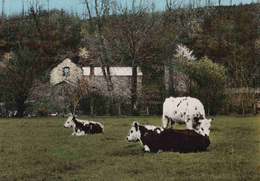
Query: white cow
[[186, 110]]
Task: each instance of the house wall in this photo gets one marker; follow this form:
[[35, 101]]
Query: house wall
[[121, 85], [121, 78], [75, 73]]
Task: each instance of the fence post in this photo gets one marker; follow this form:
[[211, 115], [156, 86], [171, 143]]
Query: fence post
[[147, 111], [119, 109]]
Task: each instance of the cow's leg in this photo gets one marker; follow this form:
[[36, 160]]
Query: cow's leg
[[146, 148], [165, 121], [80, 133], [189, 122], [172, 122]]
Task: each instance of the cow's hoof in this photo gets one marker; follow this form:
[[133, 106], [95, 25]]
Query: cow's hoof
[[146, 148]]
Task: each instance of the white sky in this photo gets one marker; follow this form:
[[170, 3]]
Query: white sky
[[15, 6]]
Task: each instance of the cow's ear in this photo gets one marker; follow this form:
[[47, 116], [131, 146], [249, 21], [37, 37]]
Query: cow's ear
[[74, 118], [136, 125]]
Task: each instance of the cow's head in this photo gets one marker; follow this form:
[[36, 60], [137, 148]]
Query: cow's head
[[134, 133], [203, 126], [69, 123]]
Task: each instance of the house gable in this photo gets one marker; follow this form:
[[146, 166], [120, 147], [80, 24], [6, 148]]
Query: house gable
[[65, 71]]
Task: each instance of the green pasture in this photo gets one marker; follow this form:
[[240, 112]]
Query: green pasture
[[40, 149]]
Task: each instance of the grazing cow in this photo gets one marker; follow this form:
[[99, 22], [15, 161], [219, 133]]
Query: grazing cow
[[83, 127], [157, 139], [186, 110]]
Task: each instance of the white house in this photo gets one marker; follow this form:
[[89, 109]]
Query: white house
[[66, 70], [121, 77]]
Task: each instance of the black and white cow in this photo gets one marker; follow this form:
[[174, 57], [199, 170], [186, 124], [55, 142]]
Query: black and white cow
[[83, 127], [186, 110], [162, 139]]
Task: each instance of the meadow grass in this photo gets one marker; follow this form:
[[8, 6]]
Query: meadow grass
[[40, 149]]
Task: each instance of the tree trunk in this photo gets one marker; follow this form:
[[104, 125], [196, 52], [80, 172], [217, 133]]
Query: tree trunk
[[108, 107], [20, 107], [134, 91], [171, 89], [208, 109], [243, 106], [92, 107], [92, 110]]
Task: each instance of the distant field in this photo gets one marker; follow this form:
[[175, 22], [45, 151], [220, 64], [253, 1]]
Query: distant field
[[40, 149]]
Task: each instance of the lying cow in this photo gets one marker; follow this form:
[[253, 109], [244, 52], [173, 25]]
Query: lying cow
[[186, 110], [158, 138], [83, 127]]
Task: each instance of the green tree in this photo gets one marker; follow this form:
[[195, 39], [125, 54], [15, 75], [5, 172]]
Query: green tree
[[209, 78]]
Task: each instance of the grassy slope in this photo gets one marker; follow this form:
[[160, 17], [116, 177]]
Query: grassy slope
[[39, 149]]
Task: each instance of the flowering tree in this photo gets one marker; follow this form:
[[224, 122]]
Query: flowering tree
[[185, 53]]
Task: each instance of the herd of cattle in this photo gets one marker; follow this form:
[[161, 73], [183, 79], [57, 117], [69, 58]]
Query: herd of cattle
[[182, 110]]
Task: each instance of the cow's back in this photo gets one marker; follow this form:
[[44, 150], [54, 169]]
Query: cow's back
[[179, 107], [170, 104], [195, 106], [95, 127], [183, 141]]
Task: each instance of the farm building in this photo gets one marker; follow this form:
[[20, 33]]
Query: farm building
[[70, 73]]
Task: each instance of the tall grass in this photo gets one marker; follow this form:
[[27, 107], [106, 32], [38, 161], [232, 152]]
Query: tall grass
[[40, 149]]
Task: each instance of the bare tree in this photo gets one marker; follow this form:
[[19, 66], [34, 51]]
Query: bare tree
[[36, 14], [101, 12], [74, 92], [133, 35], [3, 14]]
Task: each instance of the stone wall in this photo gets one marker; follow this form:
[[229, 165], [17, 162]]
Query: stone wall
[[121, 78], [57, 74], [121, 85]]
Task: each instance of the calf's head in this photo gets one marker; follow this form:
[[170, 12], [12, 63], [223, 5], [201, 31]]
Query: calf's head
[[69, 123], [134, 133]]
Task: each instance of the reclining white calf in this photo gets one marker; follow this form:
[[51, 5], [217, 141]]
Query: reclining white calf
[[83, 127]]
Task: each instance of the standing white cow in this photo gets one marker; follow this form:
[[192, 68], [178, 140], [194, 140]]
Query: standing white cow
[[186, 110]]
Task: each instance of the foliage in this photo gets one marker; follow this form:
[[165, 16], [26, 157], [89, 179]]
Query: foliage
[[19, 74], [115, 35], [39, 149], [210, 79], [95, 104], [229, 37]]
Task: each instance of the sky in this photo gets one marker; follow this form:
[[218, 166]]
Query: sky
[[15, 6]]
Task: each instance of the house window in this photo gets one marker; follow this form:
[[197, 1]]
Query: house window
[[60, 92], [66, 71]]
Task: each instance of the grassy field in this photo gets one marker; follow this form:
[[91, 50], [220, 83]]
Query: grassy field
[[40, 149]]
